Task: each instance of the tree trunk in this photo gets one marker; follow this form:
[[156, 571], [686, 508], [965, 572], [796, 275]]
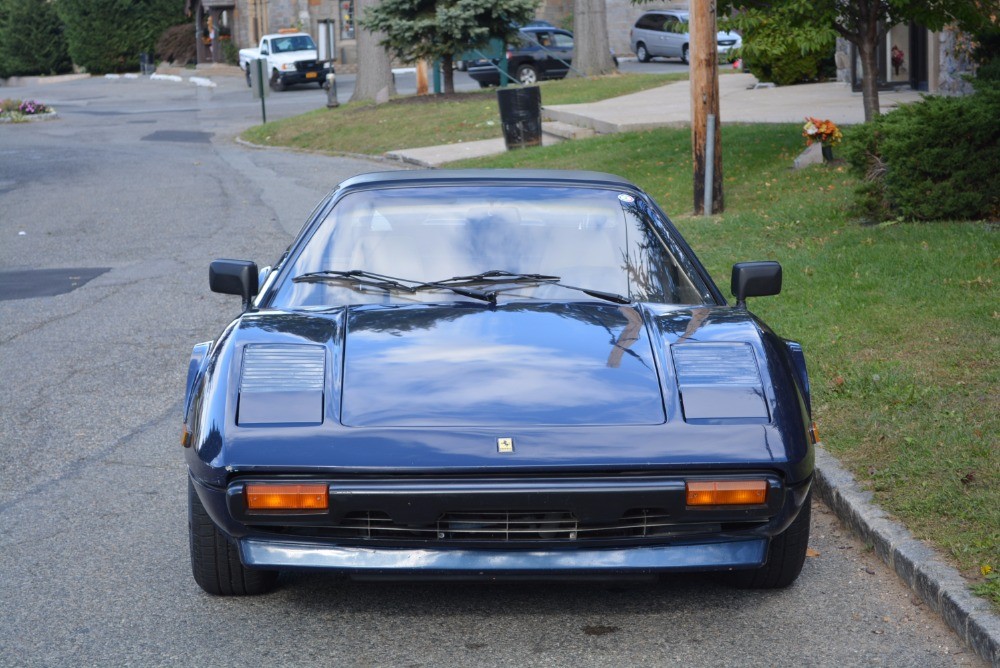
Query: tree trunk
[[591, 50], [869, 35], [374, 81]]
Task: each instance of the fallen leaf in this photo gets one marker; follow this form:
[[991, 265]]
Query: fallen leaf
[[811, 552]]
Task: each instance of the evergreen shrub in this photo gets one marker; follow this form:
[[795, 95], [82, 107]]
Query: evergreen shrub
[[31, 39], [108, 35], [937, 159]]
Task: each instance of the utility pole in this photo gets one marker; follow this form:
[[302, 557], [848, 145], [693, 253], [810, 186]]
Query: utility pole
[[706, 141]]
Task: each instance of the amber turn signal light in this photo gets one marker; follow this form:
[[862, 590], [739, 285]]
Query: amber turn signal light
[[282, 496], [727, 493], [814, 433]]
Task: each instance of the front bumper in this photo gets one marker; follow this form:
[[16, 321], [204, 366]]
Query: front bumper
[[739, 554], [600, 545], [290, 78]]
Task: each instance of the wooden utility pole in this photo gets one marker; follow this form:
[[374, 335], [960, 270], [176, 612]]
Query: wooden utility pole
[[704, 59]]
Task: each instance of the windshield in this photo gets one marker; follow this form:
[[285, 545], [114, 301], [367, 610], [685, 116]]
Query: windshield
[[292, 43], [595, 239]]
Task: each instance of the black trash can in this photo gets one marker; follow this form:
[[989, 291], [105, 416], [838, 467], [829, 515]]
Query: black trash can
[[521, 116], [146, 65]]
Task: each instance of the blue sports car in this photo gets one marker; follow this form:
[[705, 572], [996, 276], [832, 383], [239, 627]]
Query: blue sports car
[[495, 374]]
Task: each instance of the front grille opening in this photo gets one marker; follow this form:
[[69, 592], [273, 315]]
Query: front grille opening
[[553, 527]]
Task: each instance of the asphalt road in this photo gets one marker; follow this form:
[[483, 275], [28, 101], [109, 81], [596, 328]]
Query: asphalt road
[[143, 178]]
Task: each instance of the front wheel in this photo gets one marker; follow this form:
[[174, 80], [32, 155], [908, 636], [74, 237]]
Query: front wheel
[[527, 75], [276, 83], [641, 53], [785, 556], [215, 560], [684, 54], [249, 81]]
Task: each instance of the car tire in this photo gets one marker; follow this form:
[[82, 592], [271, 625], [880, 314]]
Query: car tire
[[527, 74], [215, 560], [785, 556], [641, 53], [249, 81], [684, 54], [276, 83]]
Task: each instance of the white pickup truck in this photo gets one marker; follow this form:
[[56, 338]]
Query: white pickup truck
[[291, 59]]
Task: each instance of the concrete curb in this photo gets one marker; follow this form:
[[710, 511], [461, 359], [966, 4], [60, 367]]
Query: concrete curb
[[933, 580]]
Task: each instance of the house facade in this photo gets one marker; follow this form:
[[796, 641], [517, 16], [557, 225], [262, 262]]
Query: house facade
[[913, 57]]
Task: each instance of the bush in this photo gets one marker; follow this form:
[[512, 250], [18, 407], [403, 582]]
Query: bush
[[177, 45], [784, 45], [31, 39], [108, 35], [937, 159], [787, 67]]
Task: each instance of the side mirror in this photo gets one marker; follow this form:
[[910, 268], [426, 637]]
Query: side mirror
[[234, 277], [755, 279]]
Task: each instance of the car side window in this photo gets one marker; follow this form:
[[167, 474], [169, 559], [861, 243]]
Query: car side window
[[649, 22], [562, 41]]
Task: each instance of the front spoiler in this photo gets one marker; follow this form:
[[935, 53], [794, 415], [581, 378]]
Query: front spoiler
[[739, 554]]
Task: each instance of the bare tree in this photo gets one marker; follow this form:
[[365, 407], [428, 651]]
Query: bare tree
[[591, 49], [374, 82]]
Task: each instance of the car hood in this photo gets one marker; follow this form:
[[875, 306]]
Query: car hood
[[558, 364], [293, 56], [437, 387]]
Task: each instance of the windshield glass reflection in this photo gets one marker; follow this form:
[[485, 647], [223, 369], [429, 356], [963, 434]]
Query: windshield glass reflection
[[591, 238]]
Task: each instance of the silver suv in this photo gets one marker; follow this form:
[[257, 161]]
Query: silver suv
[[665, 33]]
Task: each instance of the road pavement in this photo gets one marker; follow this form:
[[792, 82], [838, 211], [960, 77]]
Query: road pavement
[[143, 178]]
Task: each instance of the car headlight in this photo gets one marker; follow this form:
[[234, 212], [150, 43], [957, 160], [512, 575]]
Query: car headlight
[[287, 66]]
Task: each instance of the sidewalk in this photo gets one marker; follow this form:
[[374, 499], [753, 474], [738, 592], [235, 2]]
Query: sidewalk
[[739, 102]]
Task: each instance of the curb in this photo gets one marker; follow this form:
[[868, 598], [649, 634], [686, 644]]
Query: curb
[[939, 584]]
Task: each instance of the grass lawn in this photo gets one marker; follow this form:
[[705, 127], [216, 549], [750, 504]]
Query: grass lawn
[[900, 323], [412, 122]]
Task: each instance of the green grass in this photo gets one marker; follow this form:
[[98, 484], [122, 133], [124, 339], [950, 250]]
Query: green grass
[[412, 122], [900, 323]]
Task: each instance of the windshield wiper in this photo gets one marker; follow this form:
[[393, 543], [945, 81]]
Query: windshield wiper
[[501, 277], [357, 277], [600, 294], [458, 284], [494, 277]]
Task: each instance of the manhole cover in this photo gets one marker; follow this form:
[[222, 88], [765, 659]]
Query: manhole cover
[[189, 136], [44, 282]]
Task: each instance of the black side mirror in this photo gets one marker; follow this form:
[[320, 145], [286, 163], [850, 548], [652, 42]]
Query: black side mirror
[[234, 277], [755, 279]]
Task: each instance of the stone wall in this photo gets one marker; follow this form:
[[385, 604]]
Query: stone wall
[[955, 63]]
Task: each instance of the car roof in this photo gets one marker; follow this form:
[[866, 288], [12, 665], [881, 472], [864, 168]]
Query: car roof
[[677, 12], [493, 176]]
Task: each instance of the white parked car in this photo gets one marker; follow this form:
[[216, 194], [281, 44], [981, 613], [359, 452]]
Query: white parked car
[[291, 59], [664, 33]]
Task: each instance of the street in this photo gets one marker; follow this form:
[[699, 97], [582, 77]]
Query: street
[[143, 179]]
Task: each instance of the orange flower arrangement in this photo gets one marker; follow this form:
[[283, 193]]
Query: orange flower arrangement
[[825, 132]]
